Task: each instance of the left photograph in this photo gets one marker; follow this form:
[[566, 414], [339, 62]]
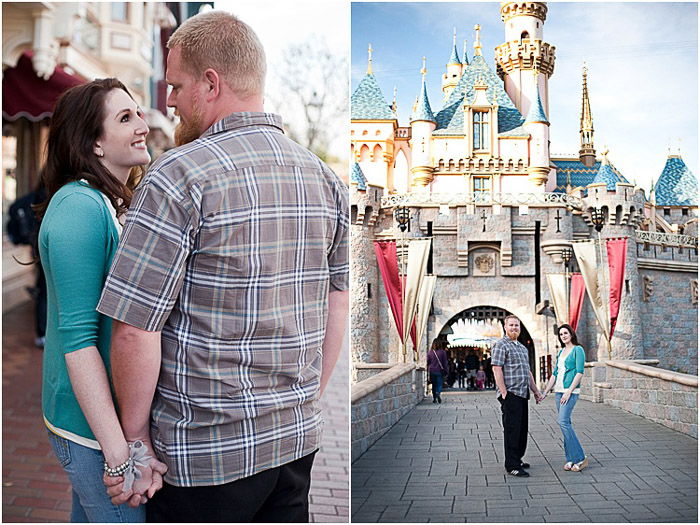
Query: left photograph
[[175, 262]]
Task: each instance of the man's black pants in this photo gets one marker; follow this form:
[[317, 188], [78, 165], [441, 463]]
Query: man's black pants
[[280, 494], [514, 412]]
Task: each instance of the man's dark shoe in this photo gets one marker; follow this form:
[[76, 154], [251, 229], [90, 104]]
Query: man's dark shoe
[[518, 472], [435, 400], [439, 399], [524, 465]]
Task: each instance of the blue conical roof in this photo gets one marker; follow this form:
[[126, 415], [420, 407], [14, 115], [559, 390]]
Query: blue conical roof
[[677, 185], [454, 58], [608, 175], [357, 177], [536, 112], [450, 119], [368, 102], [423, 111]]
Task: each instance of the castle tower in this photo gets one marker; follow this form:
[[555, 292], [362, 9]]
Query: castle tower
[[423, 124], [537, 125], [523, 52], [454, 69], [587, 152]]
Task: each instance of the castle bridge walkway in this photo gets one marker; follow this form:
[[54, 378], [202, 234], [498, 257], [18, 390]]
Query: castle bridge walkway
[[444, 463]]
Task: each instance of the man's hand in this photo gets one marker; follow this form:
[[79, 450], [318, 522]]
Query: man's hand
[[539, 397], [143, 489], [504, 393]]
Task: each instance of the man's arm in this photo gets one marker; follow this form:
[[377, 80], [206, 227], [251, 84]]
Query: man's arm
[[338, 303], [500, 381], [533, 387]]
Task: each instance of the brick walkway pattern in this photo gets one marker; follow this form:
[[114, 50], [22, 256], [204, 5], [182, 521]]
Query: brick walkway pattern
[[34, 486], [444, 463]]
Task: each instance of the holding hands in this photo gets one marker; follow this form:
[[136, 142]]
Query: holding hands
[[135, 488]]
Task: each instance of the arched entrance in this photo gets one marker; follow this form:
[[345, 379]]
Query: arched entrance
[[476, 332]]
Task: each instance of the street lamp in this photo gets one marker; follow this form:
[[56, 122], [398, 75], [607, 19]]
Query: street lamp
[[598, 219], [402, 216], [566, 256]]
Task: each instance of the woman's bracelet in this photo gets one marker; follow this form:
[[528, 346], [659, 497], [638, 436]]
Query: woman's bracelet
[[119, 470]]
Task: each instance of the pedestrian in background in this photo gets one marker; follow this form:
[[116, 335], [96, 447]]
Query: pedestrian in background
[[437, 369]]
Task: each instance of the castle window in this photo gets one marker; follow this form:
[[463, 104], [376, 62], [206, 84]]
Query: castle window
[[667, 211], [481, 184], [684, 212], [524, 35], [481, 130]]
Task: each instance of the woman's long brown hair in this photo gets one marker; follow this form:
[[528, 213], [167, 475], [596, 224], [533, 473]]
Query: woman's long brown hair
[[75, 126]]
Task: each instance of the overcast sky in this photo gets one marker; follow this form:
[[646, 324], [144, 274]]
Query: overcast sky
[[642, 63]]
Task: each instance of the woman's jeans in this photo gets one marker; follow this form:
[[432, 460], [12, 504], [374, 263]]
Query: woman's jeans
[[436, 381], [572, 447], [91, 504]]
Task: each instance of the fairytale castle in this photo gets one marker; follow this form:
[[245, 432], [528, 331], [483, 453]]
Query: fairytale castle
[[477, 178]]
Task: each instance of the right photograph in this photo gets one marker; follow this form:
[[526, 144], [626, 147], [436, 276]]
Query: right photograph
[[524, 273]]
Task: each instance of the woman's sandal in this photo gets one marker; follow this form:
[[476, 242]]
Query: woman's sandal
[[568, 465], [578, 467]]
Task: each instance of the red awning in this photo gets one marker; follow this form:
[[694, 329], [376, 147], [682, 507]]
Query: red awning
[[25, 95]]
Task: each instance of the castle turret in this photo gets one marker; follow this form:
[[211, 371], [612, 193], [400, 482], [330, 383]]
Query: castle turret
[[537, 124], [423, 124], [587, 152], [454, 69], [523, 52]]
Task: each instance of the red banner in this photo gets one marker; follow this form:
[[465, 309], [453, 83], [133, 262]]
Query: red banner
[[578, 289], [617, 256], [389, 268]]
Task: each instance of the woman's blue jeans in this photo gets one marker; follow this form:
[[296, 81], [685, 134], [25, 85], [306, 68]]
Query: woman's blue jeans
[[436, 381], [91, 504], [572, 448]]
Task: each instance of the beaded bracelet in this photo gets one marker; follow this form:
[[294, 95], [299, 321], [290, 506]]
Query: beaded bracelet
[[119, 470]]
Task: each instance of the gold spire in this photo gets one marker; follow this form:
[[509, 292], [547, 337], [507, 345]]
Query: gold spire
[[477, 42], [369, 60], [587, 151], [423, 71], [464, 53], [605, 152], [454, 36], [393, 104]]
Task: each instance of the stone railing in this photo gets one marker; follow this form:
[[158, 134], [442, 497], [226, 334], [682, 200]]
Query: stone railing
[[665, 397], [487, 198], [380, 401], [667, 239]]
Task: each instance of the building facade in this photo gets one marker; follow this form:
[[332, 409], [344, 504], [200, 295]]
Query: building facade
[[478, 179]]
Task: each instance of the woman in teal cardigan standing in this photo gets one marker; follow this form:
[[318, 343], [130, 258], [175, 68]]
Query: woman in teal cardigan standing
[[96, 136], [565, 382]]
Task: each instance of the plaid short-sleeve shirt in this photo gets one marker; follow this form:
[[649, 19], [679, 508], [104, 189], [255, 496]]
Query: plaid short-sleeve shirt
[[231, 247], [513, 357]]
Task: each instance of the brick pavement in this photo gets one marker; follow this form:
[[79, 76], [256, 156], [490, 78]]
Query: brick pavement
[[34, 486], [444, 463]]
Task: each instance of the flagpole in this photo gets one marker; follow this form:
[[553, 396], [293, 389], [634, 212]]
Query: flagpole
[[598, 219]]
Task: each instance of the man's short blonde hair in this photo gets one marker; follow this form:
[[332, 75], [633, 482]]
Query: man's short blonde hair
[[511, 316], [220, 41]]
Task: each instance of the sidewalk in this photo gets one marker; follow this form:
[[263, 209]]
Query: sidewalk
[[444, 463], [35, 488]]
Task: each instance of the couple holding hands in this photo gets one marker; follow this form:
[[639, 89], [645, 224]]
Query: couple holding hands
[[514, 381]]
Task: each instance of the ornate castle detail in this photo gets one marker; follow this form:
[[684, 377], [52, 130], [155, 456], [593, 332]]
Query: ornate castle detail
[[512, 9], [647, 288], [526, 54], [694, 292]]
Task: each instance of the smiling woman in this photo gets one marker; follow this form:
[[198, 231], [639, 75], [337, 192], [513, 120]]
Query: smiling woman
[[96, 138]]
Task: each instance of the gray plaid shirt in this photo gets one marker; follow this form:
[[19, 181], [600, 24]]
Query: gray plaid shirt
[[231, 247], [513, 357]]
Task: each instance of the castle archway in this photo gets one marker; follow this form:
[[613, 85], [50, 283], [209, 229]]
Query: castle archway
[[477, 329]]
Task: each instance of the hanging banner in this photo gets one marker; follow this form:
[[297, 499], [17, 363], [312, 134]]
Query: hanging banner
[[557, 291], [389, 268], [576, 299], [425, 298], [585, 252], [418, 251], [617, 256]]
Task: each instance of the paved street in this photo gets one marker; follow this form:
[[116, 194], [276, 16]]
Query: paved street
[[444, 463], [35, 488]]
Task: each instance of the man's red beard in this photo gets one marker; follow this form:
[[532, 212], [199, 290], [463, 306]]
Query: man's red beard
[[189, 130]]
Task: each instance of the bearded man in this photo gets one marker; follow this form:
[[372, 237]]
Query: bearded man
[[511, 370]]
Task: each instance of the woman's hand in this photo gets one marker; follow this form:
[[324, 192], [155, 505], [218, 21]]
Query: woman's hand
[[149, 482], [565, 397]]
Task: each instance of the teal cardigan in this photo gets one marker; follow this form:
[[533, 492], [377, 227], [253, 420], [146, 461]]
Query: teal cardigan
[[573, 364], [77, 241]]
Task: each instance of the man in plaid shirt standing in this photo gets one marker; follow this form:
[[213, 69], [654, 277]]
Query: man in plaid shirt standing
[[511, 370], [229, 294]]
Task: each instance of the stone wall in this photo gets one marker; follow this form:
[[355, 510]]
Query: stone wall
[[380, 401], [665, 397], [670, 319]]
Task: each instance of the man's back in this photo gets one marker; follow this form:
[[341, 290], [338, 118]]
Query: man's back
[[250, 231]]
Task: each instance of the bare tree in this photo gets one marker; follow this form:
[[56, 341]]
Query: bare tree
[[310, 90]]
